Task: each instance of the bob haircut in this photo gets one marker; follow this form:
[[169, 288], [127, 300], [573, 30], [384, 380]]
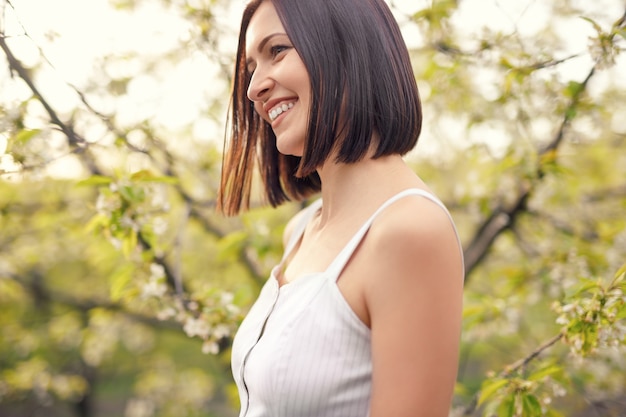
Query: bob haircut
[[362, 82]]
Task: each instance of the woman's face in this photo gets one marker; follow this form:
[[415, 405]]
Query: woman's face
[[279, 86]]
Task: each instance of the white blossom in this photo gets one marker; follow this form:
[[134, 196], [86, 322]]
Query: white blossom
[[166, 313], [139, 408], [157, 270], [153, 288], [210, 346], [227, 298], [220, 331], [196, 327]]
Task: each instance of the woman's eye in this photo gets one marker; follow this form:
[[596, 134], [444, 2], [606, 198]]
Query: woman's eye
[[277, 49]]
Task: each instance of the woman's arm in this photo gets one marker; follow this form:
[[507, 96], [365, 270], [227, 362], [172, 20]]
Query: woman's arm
[[414, 300]]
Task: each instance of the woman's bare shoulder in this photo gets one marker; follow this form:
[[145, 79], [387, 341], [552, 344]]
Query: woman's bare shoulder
[[413, 217], [413, 231]]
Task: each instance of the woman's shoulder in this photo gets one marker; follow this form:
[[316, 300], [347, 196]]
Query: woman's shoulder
[[418, 211], [416, 228]]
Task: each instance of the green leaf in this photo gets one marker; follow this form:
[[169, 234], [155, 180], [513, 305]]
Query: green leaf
[[573, 89], [586, 287], [141, 175], [507, 407], [24, 136], [545, 372], [164, 180], [596, 26], [531, 406], [504, 61], [95, 180], [119, 282], [132, 194], [437, 12], [620, 275], [489, 388], [147, 176], [471, 311], [129, 243], [460, 389], [148, 235], [97, 222]]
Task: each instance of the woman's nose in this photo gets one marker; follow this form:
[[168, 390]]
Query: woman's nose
[[260, 86]]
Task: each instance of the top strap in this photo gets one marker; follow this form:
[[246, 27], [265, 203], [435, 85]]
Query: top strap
[[338, 264], [298, 231]]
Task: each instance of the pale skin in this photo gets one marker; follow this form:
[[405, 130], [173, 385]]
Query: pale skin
[[405, 280]]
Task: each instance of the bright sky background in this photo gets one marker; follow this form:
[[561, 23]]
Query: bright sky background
[[75, 34]]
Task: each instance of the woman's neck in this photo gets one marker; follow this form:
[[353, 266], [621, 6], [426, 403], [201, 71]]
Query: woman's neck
[[347, 187]]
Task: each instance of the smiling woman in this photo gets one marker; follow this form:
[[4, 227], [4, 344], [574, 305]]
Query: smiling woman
[[362, 315], [279, 83], [343, 67]]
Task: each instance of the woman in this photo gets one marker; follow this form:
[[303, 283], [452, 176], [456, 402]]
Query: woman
[[362, 316]]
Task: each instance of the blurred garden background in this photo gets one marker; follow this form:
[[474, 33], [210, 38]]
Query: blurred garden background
[[120, 288]]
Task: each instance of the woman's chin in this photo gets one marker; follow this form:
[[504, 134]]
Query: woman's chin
[[289, 149]]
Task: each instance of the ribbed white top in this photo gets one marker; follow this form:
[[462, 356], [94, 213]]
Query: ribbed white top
[[302, 351]]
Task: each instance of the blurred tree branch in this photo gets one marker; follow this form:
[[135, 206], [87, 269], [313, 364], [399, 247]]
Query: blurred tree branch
[[76, 142], [33, 281], [504, 215], [81, 146]]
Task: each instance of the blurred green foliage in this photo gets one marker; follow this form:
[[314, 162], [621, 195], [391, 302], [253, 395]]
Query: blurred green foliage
[[120, 288]]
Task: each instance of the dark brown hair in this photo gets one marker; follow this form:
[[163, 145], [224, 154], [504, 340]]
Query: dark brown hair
[[357, 61]]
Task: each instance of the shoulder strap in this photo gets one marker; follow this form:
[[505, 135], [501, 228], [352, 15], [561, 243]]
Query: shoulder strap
[[301, 225], [344, 256]]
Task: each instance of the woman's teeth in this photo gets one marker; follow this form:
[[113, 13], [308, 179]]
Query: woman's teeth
[[277, 111]]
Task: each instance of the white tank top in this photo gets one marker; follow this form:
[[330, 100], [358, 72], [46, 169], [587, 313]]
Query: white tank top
[[302, 351]]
